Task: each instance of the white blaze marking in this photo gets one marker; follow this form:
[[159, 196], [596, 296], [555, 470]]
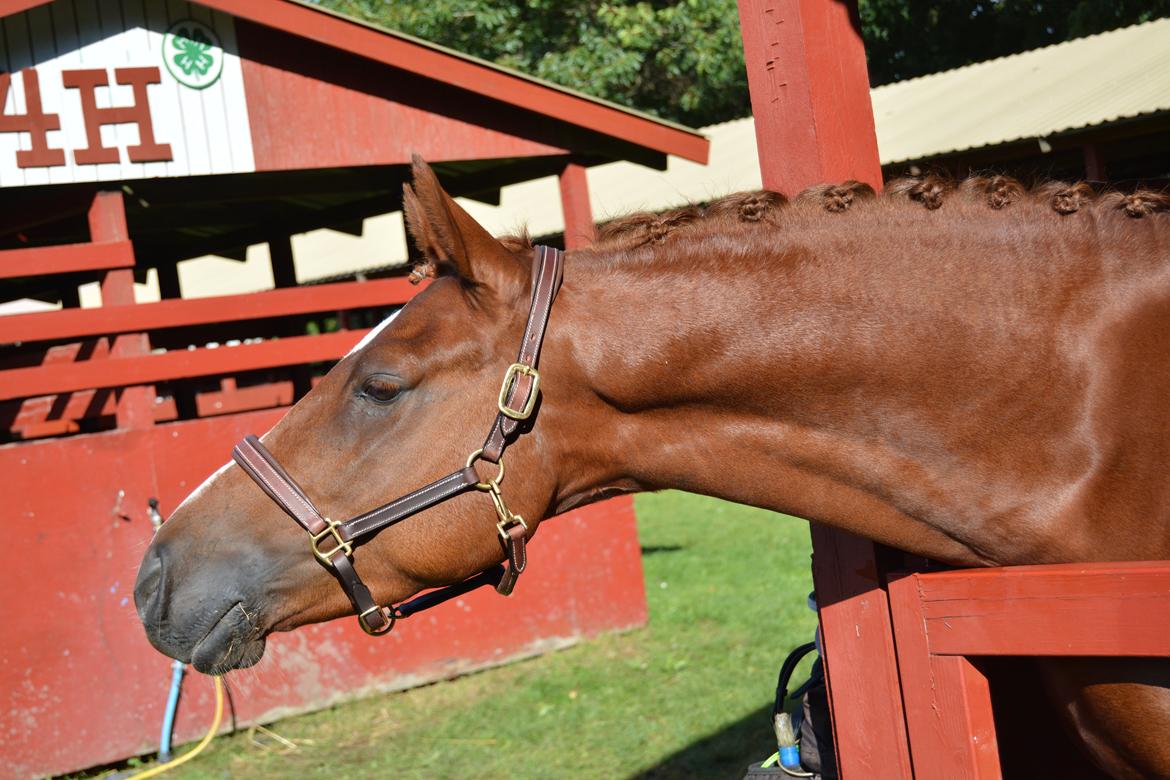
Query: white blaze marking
[[373, 334]]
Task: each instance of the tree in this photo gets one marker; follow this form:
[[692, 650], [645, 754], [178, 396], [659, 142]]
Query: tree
[[683, 59], [907, 38], [680, 60]]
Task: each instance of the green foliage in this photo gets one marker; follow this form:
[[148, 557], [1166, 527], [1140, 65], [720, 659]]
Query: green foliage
[[683, 60]]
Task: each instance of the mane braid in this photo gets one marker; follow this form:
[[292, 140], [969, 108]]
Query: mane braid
[[932, 192]]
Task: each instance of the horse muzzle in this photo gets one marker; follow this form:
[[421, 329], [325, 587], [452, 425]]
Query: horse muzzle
[[203, 619]]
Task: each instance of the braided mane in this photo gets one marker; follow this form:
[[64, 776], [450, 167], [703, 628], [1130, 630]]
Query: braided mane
[[931, 192]]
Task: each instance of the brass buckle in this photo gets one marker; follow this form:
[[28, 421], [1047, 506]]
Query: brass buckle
[[506, 517], [510, 375], [391, 618], [341, 545], [503, 526], [473, 457]]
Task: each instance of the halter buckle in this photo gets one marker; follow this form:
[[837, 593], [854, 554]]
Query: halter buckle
[[510, 376], [503, 526], [340, 545], [389, 613]]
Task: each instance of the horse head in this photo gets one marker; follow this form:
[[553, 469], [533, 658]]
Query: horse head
[[409, 404]]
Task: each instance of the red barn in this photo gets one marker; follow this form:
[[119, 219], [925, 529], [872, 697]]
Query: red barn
[[135, 134]]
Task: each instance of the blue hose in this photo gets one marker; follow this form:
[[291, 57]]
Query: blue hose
[[164, 742]]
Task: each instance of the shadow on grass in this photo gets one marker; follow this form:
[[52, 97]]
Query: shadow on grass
[[654, 549], [724, 754]]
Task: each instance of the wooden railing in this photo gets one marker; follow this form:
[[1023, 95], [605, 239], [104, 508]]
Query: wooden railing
[[110, 320], [65, 258], [175, 364], [943, 620], [63, 368]]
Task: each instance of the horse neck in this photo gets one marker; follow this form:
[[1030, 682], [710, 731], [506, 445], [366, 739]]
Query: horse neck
[[760, 369]]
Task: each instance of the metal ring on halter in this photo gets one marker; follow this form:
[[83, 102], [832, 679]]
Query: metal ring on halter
[[389, 613], [472, 458]]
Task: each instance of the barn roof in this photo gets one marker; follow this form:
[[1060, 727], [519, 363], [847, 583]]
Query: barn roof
[[310, 122], [391, 47], [424, 58], [1113, 76]]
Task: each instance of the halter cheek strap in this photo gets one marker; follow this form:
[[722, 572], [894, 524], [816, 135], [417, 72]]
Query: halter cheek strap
[[333, 542]]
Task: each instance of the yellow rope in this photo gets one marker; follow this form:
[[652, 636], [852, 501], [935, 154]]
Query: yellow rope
[[190, 754]]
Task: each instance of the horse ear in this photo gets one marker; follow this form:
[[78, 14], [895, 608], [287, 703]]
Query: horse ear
[[450, 239]]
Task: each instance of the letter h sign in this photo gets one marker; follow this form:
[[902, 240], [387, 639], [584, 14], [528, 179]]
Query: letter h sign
[[37, 123]]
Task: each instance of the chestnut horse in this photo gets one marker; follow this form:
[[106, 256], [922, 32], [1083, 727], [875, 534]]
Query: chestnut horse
[[976, 373]]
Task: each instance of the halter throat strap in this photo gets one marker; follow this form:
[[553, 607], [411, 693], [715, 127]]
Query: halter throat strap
[[333, 542]]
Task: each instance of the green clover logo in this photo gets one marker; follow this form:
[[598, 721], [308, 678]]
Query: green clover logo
[[192, 57], [193, 54]]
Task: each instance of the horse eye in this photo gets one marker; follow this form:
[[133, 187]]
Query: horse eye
[[380, 389]]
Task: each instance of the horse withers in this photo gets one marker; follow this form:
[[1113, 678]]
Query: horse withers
[[972, 372]]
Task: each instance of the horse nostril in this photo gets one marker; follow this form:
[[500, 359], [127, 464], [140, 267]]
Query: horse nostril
[[148, 588]]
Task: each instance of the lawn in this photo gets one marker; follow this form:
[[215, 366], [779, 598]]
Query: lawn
[[688, 696]]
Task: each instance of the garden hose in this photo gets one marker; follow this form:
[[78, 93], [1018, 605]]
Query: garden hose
[[190, 754]]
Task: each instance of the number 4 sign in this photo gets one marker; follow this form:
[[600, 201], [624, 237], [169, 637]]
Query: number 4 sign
[[37, 123]]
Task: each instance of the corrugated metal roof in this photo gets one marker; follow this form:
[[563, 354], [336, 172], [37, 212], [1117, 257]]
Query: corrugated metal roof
[[1079, 83]]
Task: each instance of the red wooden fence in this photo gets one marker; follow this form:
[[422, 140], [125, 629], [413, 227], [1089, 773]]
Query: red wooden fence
[[944, 620]]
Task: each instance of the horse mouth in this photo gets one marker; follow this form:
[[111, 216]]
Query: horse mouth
[[232, 642]]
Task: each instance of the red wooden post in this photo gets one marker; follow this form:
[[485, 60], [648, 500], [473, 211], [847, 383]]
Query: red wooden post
[[810, 96], [948, 702], [107, 223], [579, 229], [861, 664], [810, 93]]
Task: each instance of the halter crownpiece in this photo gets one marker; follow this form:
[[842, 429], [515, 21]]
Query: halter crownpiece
[[333, 542]]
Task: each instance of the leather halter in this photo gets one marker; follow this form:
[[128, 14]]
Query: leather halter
[[333, 542]]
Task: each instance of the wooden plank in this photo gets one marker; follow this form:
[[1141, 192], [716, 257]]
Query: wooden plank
[[861, 666], [82, 323], [949, 720], [177, 364], [1044, 610], [107, 223], [65, 258], [810, 93]]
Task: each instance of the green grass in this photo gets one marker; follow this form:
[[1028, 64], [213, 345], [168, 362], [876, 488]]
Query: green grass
[[688, 696]]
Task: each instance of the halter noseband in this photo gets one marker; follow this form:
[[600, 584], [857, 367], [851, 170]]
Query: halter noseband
[[333, 542]]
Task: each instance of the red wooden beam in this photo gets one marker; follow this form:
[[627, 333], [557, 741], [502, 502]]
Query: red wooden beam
[[1106, 609], [579, 228], [10, 7], [65, 258], [860, 660], [949, 720], [810, 93], [107, 320], [107, 223], [176, 364], [416, 56], [806, 73]]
